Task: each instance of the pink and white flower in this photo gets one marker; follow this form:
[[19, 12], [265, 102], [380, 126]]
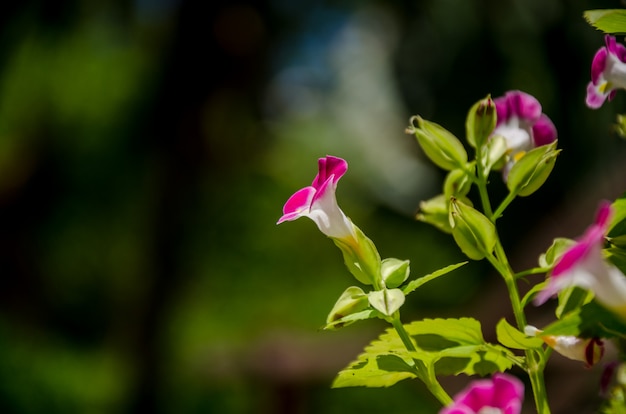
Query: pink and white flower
[[608, 73], [318, 201], [522, 125], [587, 350], [583, 265], [503, 394]]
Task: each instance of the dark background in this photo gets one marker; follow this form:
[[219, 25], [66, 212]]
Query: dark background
[[147, 148]]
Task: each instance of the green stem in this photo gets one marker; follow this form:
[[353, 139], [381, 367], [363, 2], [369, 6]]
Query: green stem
[[482, 187], [535, 365], [424, 373], [503, 205]]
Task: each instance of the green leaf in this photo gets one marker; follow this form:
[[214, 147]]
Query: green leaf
[[572, 298], [352, 300], [414, 284], [608, 20], [444, 347], [588, 321], [510, 337], [353, 317], [374, 370]]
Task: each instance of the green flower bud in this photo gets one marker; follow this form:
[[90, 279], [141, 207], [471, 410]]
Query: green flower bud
[[458, 182], [352, 300], [435, 212], [439, 144], [532, 170], [472, 231], [386, 301], [394, 272], [480, 122]]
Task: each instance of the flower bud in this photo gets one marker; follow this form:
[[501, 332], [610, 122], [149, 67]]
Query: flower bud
[[439, 144], [458, 183], [352, 300], [435, 212], [533, 168], [480, 122], [394, 272], [472, 231]]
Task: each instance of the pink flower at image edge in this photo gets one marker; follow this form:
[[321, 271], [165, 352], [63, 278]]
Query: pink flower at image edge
[[503, 392]]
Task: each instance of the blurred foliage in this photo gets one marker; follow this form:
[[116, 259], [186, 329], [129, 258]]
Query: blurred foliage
[[146, 149]]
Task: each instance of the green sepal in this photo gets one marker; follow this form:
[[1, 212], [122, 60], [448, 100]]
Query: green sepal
[[511, 337], [554, 252], [368, 313], [474, 233], [414, 284], [439, 144], [386, 301], [435, 212], [394, 272], [607, 20], [493, 155], [361, 257], [480, 122], [459, 182], [532, 170], [352, 300], [444, 347]]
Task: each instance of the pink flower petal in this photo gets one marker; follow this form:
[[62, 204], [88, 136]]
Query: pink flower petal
[[544, 131], [598, 64], [524, 105], [328, 166], [594, 99], [298, 204]]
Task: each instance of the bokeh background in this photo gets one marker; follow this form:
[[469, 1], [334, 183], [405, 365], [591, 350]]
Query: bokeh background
[[147, 148]]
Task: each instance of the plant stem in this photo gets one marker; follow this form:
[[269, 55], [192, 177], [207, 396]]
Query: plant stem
[[424, 373], [503, 205], [534, 363]]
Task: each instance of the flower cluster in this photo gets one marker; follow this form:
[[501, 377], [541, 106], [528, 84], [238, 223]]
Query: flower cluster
[[509, 133]]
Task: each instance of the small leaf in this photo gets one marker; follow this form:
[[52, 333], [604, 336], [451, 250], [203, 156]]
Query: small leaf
[[386, 301], [353, 317], [414, 284], [513, 338], [608, 20]]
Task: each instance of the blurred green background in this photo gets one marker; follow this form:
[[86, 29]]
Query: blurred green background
[[147, 148]]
